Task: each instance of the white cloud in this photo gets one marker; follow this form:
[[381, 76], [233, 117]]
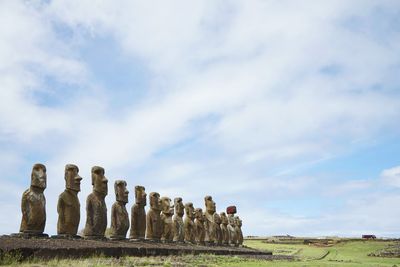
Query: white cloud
[[391, 176], [287, 85]]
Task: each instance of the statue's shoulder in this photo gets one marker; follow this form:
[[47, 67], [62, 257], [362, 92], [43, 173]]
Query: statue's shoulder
[[91, 197], [26, 193]]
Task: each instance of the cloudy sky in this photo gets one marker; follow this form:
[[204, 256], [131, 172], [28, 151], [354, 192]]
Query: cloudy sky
[[288, 109]]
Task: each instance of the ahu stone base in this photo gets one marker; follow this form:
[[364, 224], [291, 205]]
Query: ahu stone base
[[78, 248]]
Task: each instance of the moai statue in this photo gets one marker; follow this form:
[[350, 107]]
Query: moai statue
[[199, 226], [166, 217], [119, 215], [153, 218], [68, 206], [231, 210], [188, 223], [33, 204], [218, 231], [96, 209], [138, 214], [224, 228], [239, 233], [179, 235], [209, 220]]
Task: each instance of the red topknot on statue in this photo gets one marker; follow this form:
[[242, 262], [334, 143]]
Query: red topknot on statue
[[231, 210]]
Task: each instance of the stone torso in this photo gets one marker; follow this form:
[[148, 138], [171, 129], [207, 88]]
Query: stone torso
[[96, 212], [178, 229], [225, 234], [199, 230], [138, 222], [119, 220], [189, 230], [153, 225], [168, 227], [232, 230], [209, 227], [68, 209], [33, 206]]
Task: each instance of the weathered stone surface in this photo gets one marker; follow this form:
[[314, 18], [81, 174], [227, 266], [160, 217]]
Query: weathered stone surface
[[232, 230], [199, 226], [189, 229], [68, 206], [138, 214], [69, 248], [153, 218], [166, 217], [179, 233], [238, 229], [224, 228], [119, 215], [209, 224], [218, 231], [96, 209], [33, 204]]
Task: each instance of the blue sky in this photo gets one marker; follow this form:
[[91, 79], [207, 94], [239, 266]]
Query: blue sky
[[287, 109]]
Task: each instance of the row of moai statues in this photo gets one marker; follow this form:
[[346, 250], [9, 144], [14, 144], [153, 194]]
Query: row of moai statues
[[163, 222]]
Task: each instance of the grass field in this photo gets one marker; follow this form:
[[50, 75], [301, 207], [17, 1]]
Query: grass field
[[352, 253]]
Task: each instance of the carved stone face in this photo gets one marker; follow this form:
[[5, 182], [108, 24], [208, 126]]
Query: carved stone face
[[224, 218], [217, 218], [121, 193], [72, 178], [155, 201], [140, 195], [99, 181], [179, 207], [189, 210], [39, 176], [167, 208], [199, 214], [210, 205]]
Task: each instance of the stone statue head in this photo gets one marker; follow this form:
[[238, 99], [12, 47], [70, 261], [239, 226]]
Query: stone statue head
[[189, 210], [39, 176], [210, 205], [155, 201], [121, 193], [217, 218], [179, 207], [224, 218], [198, 214], [166, 206], [140, 195], [99, 181], [72, 178]]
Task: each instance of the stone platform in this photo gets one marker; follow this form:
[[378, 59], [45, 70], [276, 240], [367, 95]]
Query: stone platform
[[48, 248]]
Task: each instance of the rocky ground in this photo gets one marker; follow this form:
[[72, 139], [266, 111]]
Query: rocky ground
[[391, 251]]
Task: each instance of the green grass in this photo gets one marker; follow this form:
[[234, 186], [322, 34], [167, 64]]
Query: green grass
[[352, 253]]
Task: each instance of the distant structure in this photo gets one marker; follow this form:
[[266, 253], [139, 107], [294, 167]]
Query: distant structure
[[368, 237]]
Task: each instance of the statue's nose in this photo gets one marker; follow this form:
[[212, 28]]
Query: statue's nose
[[78, 178]]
